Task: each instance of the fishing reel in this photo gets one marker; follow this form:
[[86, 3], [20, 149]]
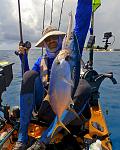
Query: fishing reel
[[26, 46]]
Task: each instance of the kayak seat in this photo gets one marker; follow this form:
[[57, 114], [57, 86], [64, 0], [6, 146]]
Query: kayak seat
[[46, 113]]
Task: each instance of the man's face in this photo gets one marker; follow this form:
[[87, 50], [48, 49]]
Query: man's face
[[52, 43]]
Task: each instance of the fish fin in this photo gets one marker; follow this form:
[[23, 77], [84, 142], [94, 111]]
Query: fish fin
[[67, 37], [47, 98], [59, 124], [70, 82], [64, 43], [69, 29]]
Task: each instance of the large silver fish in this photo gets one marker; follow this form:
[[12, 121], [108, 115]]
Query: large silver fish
[[61, 81], [60, 88]]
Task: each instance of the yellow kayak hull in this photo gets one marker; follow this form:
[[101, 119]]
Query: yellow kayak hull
[[35, 131]]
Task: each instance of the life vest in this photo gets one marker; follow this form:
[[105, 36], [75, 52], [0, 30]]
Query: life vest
[[44, 70]]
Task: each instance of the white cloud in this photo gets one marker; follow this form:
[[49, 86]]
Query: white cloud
[[107, 18]]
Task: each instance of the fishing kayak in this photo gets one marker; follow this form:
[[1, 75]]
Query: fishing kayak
[[93, 130], [83, 137]]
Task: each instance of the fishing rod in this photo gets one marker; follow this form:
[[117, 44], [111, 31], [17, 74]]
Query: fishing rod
[[20, 23], [44, 14], [95, 5], [26, 45], [21, 39], [44, 19], [60, 15], [51, 12], [91, 43], [92, 38]]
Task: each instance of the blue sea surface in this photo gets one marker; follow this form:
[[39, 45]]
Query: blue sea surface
[[109, 94]]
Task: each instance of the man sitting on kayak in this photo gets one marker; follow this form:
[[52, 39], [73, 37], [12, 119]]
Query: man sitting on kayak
[[35, 81]]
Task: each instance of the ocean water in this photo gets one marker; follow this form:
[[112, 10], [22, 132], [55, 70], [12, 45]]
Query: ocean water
[[109, 94]]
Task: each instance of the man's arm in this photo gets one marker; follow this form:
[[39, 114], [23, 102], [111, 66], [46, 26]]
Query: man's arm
[[36, 66], [23, 54], [82, 21], [26, 64]]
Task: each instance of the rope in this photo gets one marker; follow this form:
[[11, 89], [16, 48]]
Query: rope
[[60, 15]]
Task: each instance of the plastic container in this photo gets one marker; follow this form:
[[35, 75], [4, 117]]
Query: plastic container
[[96, 146]]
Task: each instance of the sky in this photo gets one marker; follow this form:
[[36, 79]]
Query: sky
[[107, 19]]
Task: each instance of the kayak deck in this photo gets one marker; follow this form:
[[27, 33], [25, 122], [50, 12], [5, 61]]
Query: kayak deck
[[96, 126]]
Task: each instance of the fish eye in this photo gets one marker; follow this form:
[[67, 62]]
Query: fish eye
[[57, 62]]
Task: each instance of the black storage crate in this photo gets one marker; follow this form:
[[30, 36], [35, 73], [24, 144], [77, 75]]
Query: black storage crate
[[6, 75]]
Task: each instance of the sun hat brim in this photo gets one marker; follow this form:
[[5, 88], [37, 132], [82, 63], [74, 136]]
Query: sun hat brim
[[40, 43]]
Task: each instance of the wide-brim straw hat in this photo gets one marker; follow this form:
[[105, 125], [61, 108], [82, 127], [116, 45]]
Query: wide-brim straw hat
[[47, 32]]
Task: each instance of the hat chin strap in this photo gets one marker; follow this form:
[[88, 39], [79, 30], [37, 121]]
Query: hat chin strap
[[51, 54]]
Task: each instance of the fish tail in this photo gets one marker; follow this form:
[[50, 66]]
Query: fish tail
[[59, 124]]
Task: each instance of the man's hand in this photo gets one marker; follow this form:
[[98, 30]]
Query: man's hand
[[24, 47], [22, 50]]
